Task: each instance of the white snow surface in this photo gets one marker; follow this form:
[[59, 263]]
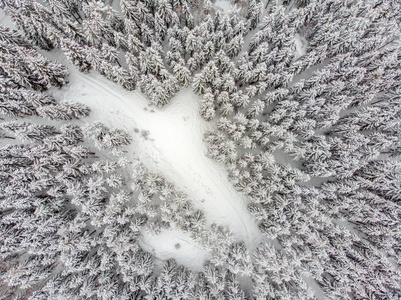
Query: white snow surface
[[175, 244], [301, 44], [224, 5], [5, 20], [169, 142]]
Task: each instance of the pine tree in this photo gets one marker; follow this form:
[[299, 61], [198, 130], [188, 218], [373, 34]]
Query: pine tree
[[207, 107], [105, 138], [26, 66], [76, 54], [28, 20], [254, 14], [182, 74]]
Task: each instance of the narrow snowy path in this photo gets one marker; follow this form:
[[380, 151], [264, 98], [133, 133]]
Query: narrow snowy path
[[169, 142]]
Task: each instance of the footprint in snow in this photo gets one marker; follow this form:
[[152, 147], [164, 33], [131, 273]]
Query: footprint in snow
[[145, 134]]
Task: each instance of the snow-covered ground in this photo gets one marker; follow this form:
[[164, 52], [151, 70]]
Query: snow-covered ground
[[224, 5], [169, 142], [5, 20], [301, 45]]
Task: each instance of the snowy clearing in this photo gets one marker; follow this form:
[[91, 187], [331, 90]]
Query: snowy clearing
[[174, 244], [224, 5], [169, 142]]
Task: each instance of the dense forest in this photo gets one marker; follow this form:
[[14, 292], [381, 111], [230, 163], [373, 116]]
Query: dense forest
[[305, 97]]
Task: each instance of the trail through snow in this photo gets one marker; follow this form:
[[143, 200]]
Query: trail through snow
[[169, 142]]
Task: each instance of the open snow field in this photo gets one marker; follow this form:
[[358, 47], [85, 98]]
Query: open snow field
[[169, 142]]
